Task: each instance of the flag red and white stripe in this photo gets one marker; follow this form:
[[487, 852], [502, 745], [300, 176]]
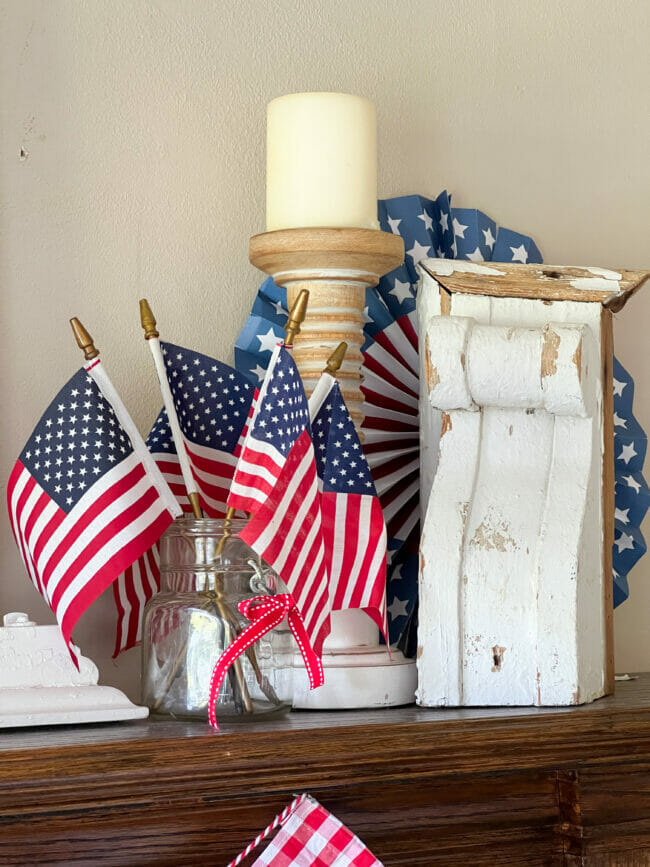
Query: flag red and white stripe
[[276, 482], [354, 529], [79, 526]]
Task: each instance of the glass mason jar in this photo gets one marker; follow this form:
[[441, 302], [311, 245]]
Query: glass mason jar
[[206, 570]]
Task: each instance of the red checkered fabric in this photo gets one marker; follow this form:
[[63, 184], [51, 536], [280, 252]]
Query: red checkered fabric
[[312, 837]]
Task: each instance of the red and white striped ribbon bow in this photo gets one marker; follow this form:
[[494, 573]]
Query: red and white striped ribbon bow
[[265, 612]]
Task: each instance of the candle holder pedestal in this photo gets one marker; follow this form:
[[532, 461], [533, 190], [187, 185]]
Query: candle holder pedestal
[[336, 266], [359, 672]]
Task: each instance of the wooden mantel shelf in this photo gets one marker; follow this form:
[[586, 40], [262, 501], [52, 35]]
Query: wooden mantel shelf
[[471, 786]]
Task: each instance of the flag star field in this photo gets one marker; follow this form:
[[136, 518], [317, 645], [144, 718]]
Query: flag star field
[[284, 413], [77, 440], [346, 470], [212, 401]]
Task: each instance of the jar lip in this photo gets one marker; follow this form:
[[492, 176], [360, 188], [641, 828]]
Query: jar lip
[[188, 524]]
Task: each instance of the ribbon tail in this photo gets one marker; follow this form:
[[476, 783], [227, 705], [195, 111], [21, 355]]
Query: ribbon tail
[[248, 636], [312, 661]]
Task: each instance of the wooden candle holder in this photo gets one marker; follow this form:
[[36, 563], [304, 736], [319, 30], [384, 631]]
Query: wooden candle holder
[[516, 548], [336, 266]]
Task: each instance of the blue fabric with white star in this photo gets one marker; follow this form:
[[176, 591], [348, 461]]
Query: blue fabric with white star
[[212, 401], [76, 442], [631, 490], [432, 228], [284, 412], [344, 470]]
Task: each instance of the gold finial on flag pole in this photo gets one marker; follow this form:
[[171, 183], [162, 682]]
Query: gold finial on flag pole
[[335, 360], [148, 320], [296, 317], [84, 340]]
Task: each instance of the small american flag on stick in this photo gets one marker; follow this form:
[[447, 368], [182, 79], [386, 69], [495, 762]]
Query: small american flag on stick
[[213, 403], [353, 523], [276, 482], [85, 500]]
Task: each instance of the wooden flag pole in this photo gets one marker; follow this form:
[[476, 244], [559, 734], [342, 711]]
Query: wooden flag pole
[[152, 335]]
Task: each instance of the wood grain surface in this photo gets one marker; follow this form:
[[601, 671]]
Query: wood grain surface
[[311, 251], [547, 282], [608, 489], [472, 786]]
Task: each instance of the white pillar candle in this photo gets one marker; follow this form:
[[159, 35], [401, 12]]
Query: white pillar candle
[[321, 161]]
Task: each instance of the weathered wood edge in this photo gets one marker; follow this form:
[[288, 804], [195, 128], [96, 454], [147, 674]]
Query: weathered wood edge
[[542, 282], [608, 493]]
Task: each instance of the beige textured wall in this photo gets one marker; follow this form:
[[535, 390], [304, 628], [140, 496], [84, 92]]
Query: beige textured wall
[[133, 163]]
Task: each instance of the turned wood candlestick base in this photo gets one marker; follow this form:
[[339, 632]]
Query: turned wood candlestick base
[[336, 266]]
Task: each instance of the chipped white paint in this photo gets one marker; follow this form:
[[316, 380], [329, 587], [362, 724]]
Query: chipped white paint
[[536, 281], [440, 626], [605, 272], [447, 267], [446, 361], [542, 368], [602, 283], [511, 577]]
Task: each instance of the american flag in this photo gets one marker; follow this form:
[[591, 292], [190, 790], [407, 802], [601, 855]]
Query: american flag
[[276, 482], [353, 523], [213, 403], [84, 499]]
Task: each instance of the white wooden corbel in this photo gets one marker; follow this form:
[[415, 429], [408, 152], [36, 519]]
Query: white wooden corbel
[[517, 488]]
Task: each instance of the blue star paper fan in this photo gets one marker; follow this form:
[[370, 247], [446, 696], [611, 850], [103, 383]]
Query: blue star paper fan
[[632, 496], [391, 371]]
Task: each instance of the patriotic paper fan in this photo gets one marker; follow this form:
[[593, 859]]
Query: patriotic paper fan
[[431, 227], [632, 493]]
